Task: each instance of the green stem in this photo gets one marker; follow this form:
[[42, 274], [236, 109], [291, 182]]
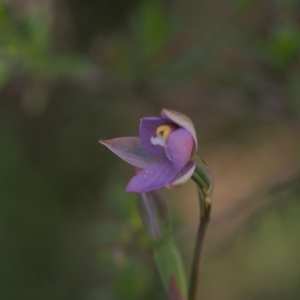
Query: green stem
[[194, 276], [203, 180]]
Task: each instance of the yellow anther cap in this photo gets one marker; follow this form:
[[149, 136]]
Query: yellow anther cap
[[163, 131]]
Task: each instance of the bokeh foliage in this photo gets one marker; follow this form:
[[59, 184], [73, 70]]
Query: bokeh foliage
[[67, 228]]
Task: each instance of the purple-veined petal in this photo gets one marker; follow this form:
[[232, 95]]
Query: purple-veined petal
[[131, 150], [152, 178], [180, 146], [183, 121], [151, 143], [184, 175]]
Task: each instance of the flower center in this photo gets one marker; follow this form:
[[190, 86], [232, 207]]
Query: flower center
[[162, 134], [163, 131]]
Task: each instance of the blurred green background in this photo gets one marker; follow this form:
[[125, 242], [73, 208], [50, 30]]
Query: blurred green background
[[72, 72]]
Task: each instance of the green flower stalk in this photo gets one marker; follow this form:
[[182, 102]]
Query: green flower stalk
[[203, 178]]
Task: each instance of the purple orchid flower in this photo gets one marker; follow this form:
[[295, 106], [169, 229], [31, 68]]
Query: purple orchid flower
[[162, 153]]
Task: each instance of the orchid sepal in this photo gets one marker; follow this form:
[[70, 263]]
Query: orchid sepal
[[131, 150]]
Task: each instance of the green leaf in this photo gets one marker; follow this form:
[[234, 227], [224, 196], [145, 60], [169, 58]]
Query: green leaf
[[35, 32], [169, 264]]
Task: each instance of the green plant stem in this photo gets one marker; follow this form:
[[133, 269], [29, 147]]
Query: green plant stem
[[204, 220]]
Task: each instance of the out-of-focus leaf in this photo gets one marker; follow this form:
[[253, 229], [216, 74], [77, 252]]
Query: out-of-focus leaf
[[282, 46], [285, 45], [4, 16], [152, 28], [169, 264], [143, 53], [36, 31], [25, 44]]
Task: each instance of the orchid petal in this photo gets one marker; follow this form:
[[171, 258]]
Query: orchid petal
[[148, 127], [184, 175], [180, 146], [131, 150], [182, 121], [152, 178]]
